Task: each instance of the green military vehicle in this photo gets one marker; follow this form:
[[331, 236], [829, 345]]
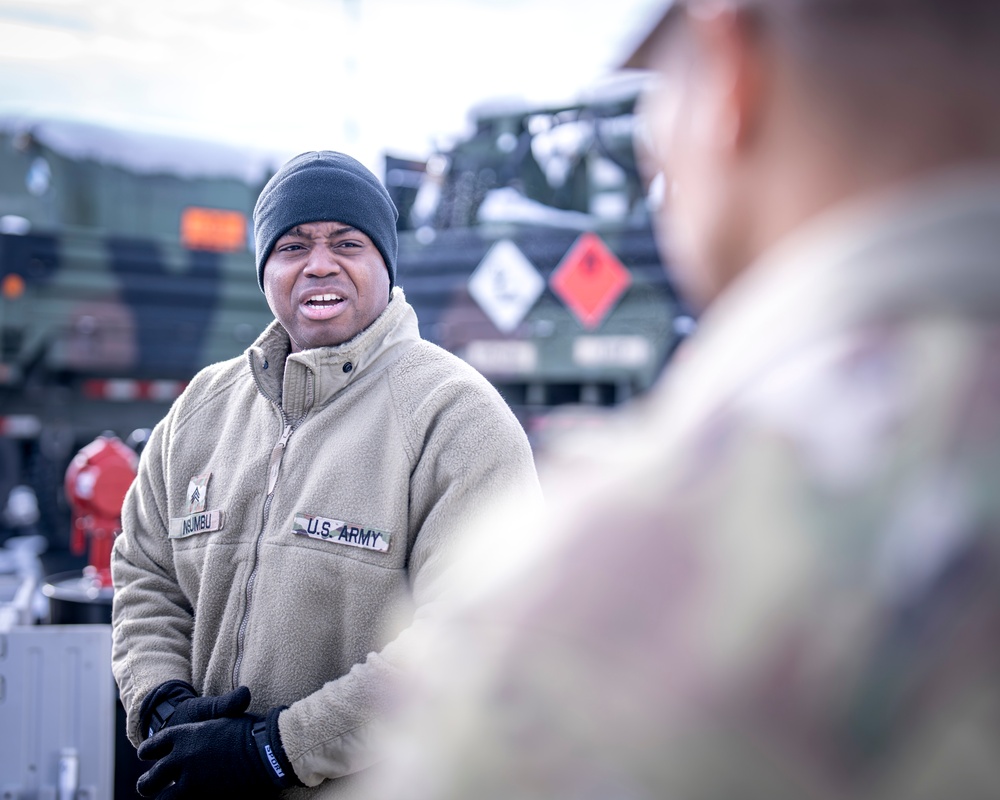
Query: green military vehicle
[[526, 248], [124, 267]]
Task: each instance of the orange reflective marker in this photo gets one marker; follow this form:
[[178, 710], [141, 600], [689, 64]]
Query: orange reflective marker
[[213, 229], [13, 286]]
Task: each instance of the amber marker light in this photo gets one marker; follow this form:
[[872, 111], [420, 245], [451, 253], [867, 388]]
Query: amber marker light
[[213, 229], [13, 286]]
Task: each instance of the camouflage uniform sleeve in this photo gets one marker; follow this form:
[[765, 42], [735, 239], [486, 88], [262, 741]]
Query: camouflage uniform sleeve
[[152, 621], [769, 611], [467, 451]]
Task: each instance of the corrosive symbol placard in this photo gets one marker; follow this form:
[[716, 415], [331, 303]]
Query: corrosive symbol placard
[[590, 280]]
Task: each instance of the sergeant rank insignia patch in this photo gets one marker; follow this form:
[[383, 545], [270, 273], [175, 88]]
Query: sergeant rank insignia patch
[[196, 519], [339, 532], [197, 494]]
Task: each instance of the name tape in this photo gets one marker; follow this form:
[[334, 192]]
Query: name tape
[[340, 532], [204, 522]]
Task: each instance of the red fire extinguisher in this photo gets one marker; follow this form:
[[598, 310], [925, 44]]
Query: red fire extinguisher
[[96, 482]]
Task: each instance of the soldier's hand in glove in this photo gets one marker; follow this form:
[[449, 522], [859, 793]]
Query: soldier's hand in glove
[[177, 703], [226, 757]]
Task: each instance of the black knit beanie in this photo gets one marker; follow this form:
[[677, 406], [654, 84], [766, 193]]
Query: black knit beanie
[[325, 186]]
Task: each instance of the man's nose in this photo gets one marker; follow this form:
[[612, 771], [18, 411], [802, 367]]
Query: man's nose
[[321, 263]]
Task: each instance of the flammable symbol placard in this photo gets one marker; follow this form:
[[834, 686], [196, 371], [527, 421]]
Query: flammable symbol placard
[[590, 280]]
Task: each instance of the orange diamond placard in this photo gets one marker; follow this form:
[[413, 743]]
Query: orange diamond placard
[[590, 279]]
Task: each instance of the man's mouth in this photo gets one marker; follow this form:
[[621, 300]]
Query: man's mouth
[[321, 307], [324, 300]]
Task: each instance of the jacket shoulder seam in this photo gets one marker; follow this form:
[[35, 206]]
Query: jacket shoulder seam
[[185, 414]]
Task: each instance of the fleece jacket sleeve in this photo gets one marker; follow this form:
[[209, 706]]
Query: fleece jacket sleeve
[[151, 619], [468, 451]]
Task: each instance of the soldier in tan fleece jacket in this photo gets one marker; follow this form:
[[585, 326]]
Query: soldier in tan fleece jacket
[[289, 526]]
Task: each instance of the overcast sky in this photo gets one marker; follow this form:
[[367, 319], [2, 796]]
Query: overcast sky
[[364, 76]]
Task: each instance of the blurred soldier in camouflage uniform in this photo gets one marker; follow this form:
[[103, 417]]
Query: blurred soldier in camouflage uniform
[[779, 575]]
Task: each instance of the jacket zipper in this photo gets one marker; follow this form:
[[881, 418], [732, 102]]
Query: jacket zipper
[[274, 467], [273, 470]]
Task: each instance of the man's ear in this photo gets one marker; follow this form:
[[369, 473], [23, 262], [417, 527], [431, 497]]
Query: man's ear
[[733, 76]]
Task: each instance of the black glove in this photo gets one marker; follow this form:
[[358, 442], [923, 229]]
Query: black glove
[[225, 757], [177, 703]]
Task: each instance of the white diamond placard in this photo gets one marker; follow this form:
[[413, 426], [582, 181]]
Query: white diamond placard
[[506, 285]]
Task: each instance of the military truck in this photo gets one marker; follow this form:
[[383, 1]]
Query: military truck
[[124, 267], [526, 248]]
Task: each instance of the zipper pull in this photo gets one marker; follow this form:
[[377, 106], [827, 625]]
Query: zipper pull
[[276, 454]]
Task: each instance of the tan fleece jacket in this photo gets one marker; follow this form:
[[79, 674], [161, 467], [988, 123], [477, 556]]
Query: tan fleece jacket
[[290, 521]]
